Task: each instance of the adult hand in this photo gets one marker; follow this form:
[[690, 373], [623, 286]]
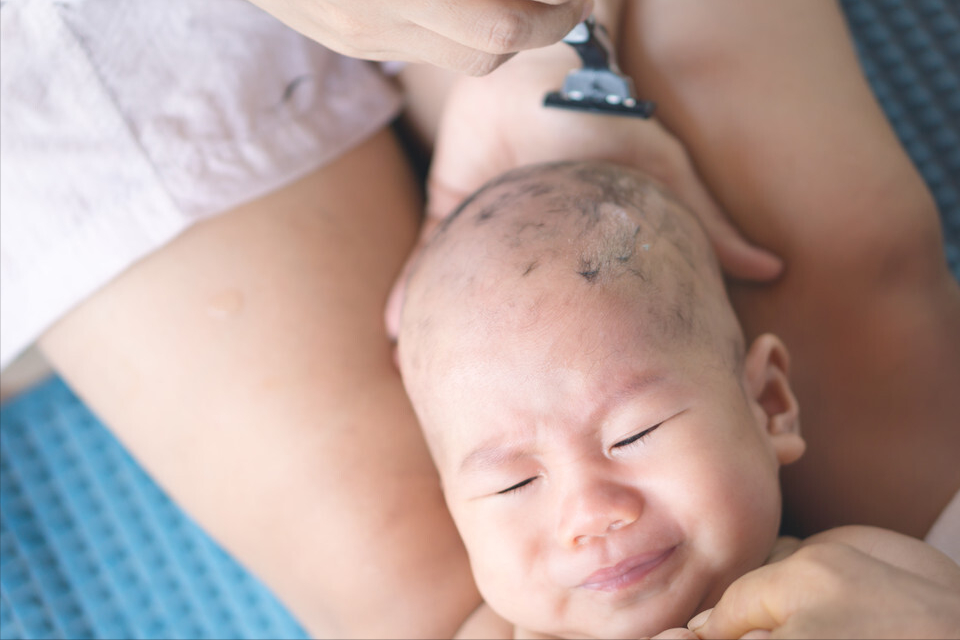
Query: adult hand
[[469, 36], [832, 590], [680, 633]]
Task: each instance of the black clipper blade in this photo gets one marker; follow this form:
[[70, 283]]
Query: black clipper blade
[[628, 107]]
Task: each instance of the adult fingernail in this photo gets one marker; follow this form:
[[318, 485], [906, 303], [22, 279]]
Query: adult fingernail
[[699, 620]]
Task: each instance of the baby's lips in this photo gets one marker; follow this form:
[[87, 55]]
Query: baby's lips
[[628, 570]]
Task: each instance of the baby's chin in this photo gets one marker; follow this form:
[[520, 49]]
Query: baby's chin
[[644, 622], [630, 632], [686, 595]]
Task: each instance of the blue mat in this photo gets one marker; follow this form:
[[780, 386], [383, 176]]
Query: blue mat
[[91, 547], [910, 52]]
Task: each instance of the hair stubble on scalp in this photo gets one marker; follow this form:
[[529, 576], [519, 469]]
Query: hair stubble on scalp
[[540, 227]]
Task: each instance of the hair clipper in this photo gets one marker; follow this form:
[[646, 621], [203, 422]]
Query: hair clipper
[[598, 86]]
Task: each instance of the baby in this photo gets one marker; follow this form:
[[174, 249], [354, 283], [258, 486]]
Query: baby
[[608, 444]]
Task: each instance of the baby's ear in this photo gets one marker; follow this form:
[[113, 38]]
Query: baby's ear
[[766, 372]]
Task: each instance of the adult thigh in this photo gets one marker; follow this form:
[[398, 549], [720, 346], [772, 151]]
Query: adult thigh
[[246, 366]]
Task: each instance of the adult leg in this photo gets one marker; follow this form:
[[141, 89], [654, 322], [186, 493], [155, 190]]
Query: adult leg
[[246, 366], [771, 103]]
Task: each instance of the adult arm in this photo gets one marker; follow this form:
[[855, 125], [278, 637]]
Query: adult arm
[[770, 103]]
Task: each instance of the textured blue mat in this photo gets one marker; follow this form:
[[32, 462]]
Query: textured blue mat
[[91, 547], [910, 51]]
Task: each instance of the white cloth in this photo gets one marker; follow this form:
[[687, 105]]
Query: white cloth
[[122, 122], [945, 532]]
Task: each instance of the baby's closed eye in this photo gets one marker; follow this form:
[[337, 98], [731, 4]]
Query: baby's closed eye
[[517, 487], [636, 438]]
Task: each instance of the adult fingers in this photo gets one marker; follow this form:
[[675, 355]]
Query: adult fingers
[[814, 593], [738, 257], [409, 42], [395, 299], [469, 36], [679, 633], [391, 313], [443, 198], [750, 603], [500, 27]]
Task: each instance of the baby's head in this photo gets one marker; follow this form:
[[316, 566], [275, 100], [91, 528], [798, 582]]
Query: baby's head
[[608, 447]]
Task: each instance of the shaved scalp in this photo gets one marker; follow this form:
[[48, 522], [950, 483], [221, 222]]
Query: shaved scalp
[[537, 239], [606, 212]]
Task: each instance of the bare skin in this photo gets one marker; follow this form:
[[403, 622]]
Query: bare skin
[[470, 37], [510, 339], [854, 568], [246, 366], [795, 150], [793, 145], [276, 246]]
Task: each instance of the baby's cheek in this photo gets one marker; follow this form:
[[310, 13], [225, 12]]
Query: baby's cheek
[[508, 578], [733, 513], [489, 549], [749, 533], [498, 586]]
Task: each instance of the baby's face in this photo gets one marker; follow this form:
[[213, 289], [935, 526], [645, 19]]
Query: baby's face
[[603, 486], [602, 443]]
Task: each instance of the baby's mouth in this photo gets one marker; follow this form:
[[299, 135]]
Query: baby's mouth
[[626, 572]]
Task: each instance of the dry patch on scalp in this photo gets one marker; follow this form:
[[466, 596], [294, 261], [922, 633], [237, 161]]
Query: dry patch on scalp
[[610, 242]]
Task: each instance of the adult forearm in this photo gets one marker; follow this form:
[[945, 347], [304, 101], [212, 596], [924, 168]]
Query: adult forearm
[[770, 102]]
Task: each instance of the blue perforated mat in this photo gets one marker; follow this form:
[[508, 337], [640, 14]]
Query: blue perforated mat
[[91, 547], [910, 51]]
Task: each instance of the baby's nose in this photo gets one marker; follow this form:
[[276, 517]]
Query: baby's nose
[[596, 510]]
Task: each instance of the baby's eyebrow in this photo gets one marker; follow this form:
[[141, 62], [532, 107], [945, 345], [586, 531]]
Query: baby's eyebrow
[[488, 456]]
